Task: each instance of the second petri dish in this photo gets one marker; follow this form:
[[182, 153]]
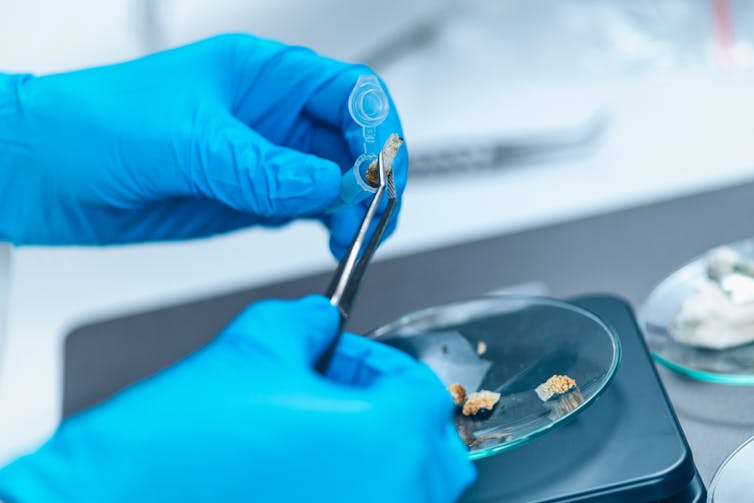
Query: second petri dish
[[511, 345], [699, 321], [733, 482]]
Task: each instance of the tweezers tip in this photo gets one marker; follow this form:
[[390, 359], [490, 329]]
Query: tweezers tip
[[391, 193]]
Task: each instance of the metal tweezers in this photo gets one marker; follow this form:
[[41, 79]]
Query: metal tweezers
[[347, 278]]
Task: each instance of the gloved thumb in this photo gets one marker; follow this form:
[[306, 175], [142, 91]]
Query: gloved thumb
[[243, 170], [287, 332]]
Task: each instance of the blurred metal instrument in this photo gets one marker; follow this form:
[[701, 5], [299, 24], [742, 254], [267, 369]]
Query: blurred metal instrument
[[488, 155], [347, 278]]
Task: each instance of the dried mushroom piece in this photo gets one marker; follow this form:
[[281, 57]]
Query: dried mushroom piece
[[468, 408], [555, 386], [389, 151], [458, 393], [480, 402]]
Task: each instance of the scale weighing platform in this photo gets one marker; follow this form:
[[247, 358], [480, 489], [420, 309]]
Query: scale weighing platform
[[626, 447]]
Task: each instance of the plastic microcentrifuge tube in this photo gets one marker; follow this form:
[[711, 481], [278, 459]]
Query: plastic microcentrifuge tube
[[369, 106]]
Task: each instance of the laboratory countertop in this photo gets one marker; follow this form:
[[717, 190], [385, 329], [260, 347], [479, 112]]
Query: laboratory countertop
[[668, 136]]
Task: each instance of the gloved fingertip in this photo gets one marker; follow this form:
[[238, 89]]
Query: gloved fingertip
[[314, 300], [323, 313], [322, 321], [349, 362], [293, 330], [337, 250]]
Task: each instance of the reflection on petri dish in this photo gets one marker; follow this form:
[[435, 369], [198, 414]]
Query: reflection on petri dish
[[510, 345], [732, 364], [732, 482]]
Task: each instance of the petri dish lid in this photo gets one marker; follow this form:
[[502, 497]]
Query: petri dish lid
[[733, 365], [510, 345], [732, 482]]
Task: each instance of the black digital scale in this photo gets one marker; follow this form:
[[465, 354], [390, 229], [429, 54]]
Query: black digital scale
[[627, 447]]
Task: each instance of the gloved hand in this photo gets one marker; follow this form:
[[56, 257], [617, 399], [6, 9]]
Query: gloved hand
[[247, 419], [228, 132]]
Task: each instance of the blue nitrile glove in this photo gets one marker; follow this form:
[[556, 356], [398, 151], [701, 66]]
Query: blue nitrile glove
[[228, 132], [247, 419]]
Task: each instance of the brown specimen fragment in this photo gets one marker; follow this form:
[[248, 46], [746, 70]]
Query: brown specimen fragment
[[458, 393], [473, 404], [469, 437], [389, 151], [372, 175], [464, 430], [555, 386], [484, 438], [480, 402]]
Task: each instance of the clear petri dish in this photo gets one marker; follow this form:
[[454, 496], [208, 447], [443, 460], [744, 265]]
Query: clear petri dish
[[734, 365], [510, 345], [732, 482]]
